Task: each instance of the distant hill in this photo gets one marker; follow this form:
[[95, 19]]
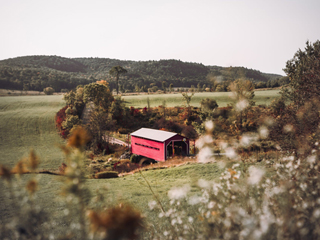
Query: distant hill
[[38, 72]]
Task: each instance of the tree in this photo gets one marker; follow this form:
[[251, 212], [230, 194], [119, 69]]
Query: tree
[[118, 110], [164, 86], [199, 87], [304, 75], [242, 94], [99, 94], [207, 112], [171, 87], [117, 71], [208, 105], [187, 98]]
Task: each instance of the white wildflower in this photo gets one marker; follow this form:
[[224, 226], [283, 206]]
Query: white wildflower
[[203, 183], [248, 139], [193, 200], [316, 213], [227, 223], [173, 222], [190, 219], [241, 105], [211, 204], [263, 132], [179, 192], [66, 212], [205, 197], [223, 145], [165, 233], [235, 165], [209, 125], [169, 212], [311, 159], [299, 224], [207, 139], [231, 153], [303, 186], [205, 155], [200, 142], [287, 128], [152, 204], [255, 175]]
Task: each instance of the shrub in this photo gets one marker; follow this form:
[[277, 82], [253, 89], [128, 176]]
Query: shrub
[[70, 122], [48, 90], [278, 105], [107, 174]]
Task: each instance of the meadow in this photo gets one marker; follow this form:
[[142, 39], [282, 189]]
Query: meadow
[[172, 100], [254, 198], [27, 122]]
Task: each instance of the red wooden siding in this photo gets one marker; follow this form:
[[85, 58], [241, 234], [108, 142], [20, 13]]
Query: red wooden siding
[[148, 148]]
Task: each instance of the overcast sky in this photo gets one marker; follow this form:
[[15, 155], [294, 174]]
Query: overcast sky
[[257, 34]]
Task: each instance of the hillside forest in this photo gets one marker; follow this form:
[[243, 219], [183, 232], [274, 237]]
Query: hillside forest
[[64, 74]]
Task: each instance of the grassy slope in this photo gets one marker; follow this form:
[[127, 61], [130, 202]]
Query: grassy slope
[[28, 122], [172, 100]]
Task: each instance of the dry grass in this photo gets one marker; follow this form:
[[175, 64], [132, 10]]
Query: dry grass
[[174, 162]]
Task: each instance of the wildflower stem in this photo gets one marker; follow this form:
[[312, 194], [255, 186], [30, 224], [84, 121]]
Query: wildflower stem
[[155, 196]]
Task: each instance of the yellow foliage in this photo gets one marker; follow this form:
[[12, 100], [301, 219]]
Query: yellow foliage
[[103, 82]]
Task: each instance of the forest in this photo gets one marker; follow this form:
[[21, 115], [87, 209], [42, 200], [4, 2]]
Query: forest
[[63, 74]]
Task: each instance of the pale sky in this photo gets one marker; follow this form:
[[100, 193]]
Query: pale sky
[[257, 34]]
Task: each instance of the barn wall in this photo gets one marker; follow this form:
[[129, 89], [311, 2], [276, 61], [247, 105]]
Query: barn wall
[[148, 148]]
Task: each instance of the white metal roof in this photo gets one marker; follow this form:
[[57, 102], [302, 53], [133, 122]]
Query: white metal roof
[[153, 134]]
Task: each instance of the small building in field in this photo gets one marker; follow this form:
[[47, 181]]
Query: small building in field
[[157, 144]]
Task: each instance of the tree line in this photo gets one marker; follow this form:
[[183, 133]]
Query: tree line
[[39, 72]]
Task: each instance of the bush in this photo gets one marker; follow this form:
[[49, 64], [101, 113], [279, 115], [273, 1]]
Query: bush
[[107, 174], [48, 90]]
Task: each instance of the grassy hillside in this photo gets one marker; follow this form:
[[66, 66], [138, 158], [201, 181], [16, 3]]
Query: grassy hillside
[[172, 100], [28, 122]]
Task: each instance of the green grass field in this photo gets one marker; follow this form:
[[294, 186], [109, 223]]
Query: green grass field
[[172, 100], [28, 122]]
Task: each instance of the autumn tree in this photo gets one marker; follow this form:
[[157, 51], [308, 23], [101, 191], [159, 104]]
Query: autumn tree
[[242, 93], [303, 71], [116, 71], [99, 94]]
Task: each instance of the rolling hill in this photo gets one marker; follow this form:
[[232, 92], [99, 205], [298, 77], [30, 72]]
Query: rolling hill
[[38, 72]]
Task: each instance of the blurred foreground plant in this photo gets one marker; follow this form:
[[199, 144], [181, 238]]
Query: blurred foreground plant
[[31, 221]]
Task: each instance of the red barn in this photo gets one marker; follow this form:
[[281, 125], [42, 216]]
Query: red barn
[[157, 144]]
